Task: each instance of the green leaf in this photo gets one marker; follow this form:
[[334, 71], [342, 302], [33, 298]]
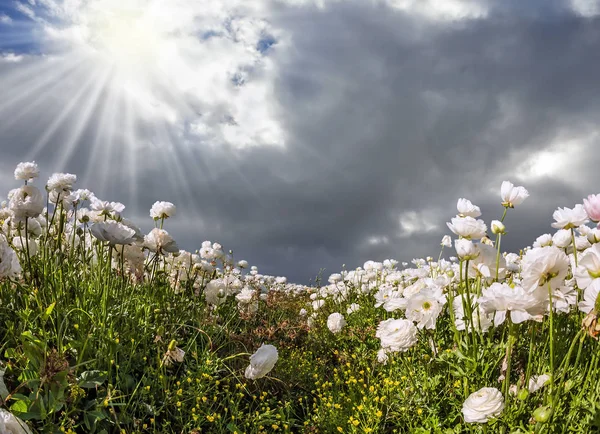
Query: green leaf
[[90, 379], [49, 310]]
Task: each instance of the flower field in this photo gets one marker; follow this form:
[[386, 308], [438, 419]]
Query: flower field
[[105, 329]]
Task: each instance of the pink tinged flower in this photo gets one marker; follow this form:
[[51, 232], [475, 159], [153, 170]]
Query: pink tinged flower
[[261, 362], [592, 207], [467, 209], [567, 218], [468, 227], [511, 195]]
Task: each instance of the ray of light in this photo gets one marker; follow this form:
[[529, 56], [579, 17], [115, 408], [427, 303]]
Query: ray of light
[[132, 152], [63, 117], [90, 105], [102, 147], [36, 91]]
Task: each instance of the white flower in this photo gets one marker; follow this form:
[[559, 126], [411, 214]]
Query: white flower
[[104, 208], [483, 405], [336, 322], [446, 241], [334, 278], [9, 262], [245, 296], [20, 243], [354, 307], [215, 292], [261, 362], [536, 382], [61, 182], [243, 264], [543, 241], [26, 202], [498, 227], [512, 195], [396, 334], [542, 266], [482, 320], [567, 218], [468, 227], [465, 249], [562, 238], [162, 210], [382, 356], [466, 208], [500, 298], [173, 354], [10, 424], [590, 296], [113, 232], [424, 307], [26, 171], [159, 241], [588, 267]]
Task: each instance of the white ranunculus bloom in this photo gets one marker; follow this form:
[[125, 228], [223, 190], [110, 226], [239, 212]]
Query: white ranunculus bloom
[[9, 262], [501, 299], [245, 296], [466, 208], [543, 241], [424, 307], [104, 208], [61, 182], [354, 307], [483, 405], [468, 227], [26, 201], [261, 362], [10, 424], [159, 240], [590, 296], [113, 232], [482, 320], [542, 266], [567, 218], [536, 382], [588, 268], [511, 195], [396, 334], [26, 171], [446, 241], [562, 238], [21, 243], [465, 249], [382, 356], [336, 322], [162, 210]]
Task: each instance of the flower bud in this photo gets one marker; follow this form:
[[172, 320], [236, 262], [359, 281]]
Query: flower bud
[[523, 394], [542, 414], [498, 227]]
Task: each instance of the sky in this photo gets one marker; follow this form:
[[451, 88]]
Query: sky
[[307, 134]]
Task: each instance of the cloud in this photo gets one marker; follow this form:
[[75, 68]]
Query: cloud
[[307, 135]]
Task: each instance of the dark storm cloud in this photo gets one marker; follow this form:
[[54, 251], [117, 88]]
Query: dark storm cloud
[[385, 114]]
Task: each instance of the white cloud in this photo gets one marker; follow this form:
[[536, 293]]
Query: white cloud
[[5, 19], [417, 223], [586, 8], [10, 58]]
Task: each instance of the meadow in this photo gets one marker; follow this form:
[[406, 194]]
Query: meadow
[[105, 329]]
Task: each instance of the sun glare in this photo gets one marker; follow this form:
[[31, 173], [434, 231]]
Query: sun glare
[[127, 36]]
